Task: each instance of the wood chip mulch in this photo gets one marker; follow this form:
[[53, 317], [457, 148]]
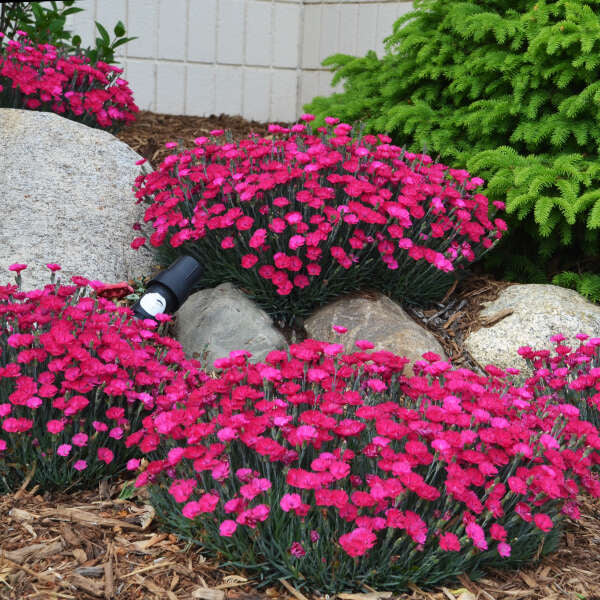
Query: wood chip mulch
[[90, 545], [458, 314], [151, 131]]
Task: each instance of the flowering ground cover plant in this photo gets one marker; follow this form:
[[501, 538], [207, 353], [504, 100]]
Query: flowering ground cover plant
[[43, 77], [572, 373], [77, 374], [315, 463], [301, 217]]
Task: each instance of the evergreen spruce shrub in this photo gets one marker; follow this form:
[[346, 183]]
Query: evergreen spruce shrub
[[509, 90]]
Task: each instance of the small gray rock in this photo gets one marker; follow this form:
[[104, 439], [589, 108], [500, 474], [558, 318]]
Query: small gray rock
[[539, 312], [215, 321], [379, 320], [65, 197]]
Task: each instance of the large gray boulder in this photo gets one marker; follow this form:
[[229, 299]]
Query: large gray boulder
[[215, 321], [65, 197], [377, 319], [528, 315]]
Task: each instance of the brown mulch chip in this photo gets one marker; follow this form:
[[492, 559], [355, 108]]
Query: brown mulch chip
[[458, 314], [149, 134], [90, 545]]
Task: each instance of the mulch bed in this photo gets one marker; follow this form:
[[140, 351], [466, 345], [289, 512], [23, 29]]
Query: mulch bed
[[151, 131], [89, 545]]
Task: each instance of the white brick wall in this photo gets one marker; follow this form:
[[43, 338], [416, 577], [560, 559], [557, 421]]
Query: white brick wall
[[257, 58]]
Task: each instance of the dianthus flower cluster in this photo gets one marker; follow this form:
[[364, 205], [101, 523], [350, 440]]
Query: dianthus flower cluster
[[571, 373], [77, 374], [43, 77], [315, 460], [300, 217]]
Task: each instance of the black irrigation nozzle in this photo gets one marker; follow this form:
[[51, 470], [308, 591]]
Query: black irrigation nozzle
[[169, 289]]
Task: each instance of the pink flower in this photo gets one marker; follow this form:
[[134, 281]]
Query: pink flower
[[449, 542], [543, 521], [549, 441], [313, 269], [297, 550], [301, 281], [290, 502], [333, 349], [364, 344], [339, 329], [80, 465], [358, 541], [53, 267], [191, 510], [17, 267], [116, 433], [249, 260], [80, 439], [376, 385], [54, 426], [208, 502], [244, 223], [181, 489], [255, 488], [64, 450], [475, 532], [133, 464], [105, 455], [138, 242], [227, 528], [281, 201], [504, 549], [498, 532], [296, 241], [258, 238]]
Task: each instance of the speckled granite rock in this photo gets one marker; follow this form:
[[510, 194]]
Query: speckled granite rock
[[215, 321], [539, 312], [378, 320], [65, 193]]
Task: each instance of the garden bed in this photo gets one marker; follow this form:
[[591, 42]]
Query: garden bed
[[95, 545]]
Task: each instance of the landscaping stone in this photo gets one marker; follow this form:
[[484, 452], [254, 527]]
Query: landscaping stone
[[538, 312], [215, 321], [377, 319], [66, 198]]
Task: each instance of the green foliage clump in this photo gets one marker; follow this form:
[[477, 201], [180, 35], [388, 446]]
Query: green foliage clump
[[46, 25], [587, 284], [509, 90]]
